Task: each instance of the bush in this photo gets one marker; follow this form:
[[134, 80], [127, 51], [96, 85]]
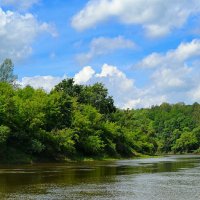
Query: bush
[[93, 145], [4, 134]]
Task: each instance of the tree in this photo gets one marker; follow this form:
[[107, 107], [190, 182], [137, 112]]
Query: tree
[[7, 105], [186, 143], [69, 87], [6, 72], [59, 111], [97, 96], [4, 133]]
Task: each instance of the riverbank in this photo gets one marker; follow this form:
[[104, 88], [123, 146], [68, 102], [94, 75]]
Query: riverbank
[[13, 157], [21, 158], [16, 157]]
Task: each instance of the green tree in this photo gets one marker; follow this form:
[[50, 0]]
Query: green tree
[[186, 143], [6, 72], [97, 96], [59, 110], [69, 87], [4, 134], [7, 105]]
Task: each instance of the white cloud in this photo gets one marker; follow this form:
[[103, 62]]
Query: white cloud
[[174, 77], [132, 103], [173, 57], [100, 46], [119, 86], [175, 73], [17, 33], [84, 75], [173, 70], [123, 89], [195, 93], [112, 76], [44, 82], [167, 78], [157, 17], [20, 4]]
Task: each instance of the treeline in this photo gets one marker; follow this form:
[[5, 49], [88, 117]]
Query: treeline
[[76, 121]]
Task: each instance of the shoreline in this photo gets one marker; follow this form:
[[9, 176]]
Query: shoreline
[[88, 159]]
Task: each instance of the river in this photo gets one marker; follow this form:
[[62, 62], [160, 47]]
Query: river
[[164, 178]]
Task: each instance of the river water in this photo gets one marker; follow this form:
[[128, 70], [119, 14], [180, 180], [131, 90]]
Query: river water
[[166, 178]]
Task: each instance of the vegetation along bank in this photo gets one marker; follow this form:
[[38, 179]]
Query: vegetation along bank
[[77, 121]]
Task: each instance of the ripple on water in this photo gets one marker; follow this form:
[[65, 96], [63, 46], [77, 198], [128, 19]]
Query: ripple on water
[[168, 179]]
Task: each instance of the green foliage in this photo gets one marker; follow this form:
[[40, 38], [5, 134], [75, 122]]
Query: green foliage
[[59, 110], [68, 87], [6, 72], [186, 143], [93, 145], [75, 120], [65, 141], [95, 95], [4, 134], [37, 146]]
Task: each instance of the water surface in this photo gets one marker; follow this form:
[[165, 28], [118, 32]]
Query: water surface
[[167, 178]]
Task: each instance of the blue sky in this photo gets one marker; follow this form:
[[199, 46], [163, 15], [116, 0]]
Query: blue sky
[[145, 51]]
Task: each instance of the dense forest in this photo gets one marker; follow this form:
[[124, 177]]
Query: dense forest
[[78, 121]]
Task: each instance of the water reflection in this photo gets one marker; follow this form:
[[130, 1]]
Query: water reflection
[[173, 177]]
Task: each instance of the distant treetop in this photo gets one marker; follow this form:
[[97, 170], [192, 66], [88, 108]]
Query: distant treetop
[[6, 72]]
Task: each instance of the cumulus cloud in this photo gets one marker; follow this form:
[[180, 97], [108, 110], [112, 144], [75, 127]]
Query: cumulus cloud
[[112, 76], [119, 86], [102, 45], [174, 69], [175, 73], [44, 82], [84, 75], [157, 17], [178, 56], [17, 33], [195, 93], [167, 78], [123, 89], [20, 4], [174, 77]]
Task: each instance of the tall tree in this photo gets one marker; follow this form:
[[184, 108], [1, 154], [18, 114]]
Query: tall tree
[[6, 72]]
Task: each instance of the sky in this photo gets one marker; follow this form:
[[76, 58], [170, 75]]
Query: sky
[[145, 52]]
